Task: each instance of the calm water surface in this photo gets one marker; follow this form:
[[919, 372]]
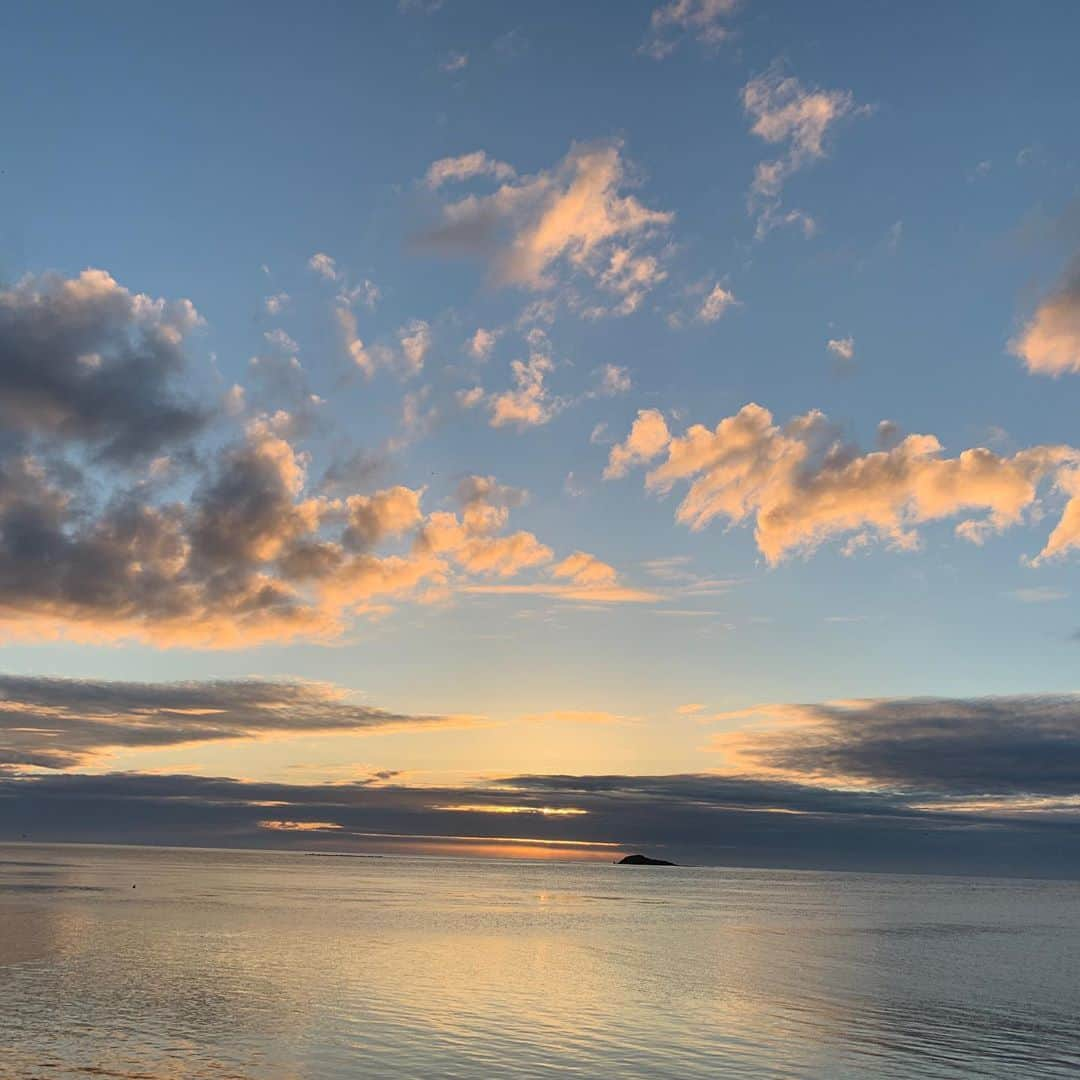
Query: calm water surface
[[253, 965]]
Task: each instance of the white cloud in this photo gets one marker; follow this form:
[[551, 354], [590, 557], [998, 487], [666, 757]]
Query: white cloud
[[842, 348]]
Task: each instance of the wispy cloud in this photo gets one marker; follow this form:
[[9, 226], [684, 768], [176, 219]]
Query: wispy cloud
[[704, 20], [784, 112]]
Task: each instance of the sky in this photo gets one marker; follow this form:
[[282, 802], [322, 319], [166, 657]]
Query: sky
[[526, 429]]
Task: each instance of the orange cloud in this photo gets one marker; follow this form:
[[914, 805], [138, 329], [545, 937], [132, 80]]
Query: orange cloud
[[574, 217], [1050, 343], [802, 486]]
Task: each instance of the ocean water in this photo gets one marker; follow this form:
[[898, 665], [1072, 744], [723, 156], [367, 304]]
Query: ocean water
[[257, 965]]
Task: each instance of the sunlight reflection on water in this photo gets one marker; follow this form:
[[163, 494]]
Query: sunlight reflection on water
[[267, 965]]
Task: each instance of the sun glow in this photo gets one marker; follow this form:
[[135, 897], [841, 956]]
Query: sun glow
[[546, 811]]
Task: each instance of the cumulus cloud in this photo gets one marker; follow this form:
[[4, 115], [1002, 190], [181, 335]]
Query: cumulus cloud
[[67, 723], [784, 112], [221, 542], [1050, 342], [648, 437], [529, 403], [701, 19], [801, 485], [250, 556], [85, 360], [574, 220]]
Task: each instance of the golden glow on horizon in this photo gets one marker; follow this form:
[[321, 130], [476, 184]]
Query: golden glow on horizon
[[546, 811], [491, 839], [299, 826]]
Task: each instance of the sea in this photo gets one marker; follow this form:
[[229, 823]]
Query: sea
[[158, 963]]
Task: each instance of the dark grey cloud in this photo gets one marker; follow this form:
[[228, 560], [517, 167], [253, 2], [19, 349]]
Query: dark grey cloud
[[212, 544], [704, 819], [85, 360], [64, 723], [949, 785], [1017, 745]]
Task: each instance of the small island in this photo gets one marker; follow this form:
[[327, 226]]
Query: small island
[[643, 860]]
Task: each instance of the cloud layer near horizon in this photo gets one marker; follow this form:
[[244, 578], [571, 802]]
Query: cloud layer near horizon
[[67, 723], [884, 784]]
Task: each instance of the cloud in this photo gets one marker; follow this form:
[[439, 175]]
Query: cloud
[[614, 380], [455, 170], [1039, 594], [324, 266], [802, 485], [277, 303], [454, 62], [648, 437], [929, 786], [585, 569], [842, 348], [85, 361], [250, 555], [481, 344], [219, 538], [582, 594], [785, 112], [1050, 342], [702, 19], [65, 723], [573, 222], [414, 341], [932, 749], [529, 403], [716, 304]]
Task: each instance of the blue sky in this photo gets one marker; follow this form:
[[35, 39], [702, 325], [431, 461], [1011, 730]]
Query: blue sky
[[923, 224]]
